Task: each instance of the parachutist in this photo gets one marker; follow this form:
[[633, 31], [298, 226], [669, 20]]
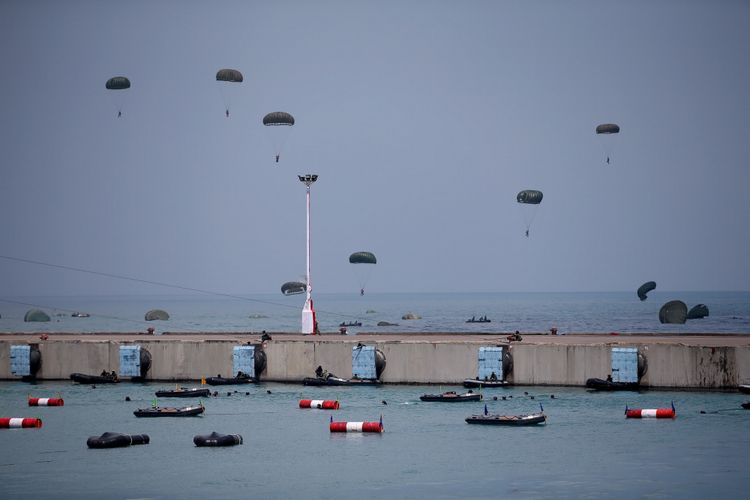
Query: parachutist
[[227, 113], [277, 158], [527, 233], [361, 291], [607, 160], [119, 114]]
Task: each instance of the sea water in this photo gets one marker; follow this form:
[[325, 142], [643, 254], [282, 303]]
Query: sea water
[[438, 312], [587, 448]]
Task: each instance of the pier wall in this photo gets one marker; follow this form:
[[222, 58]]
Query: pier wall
[[407, 361], [559, 364]]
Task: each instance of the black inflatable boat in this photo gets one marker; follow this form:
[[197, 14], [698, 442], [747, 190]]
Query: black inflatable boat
[[82, 378], [515, 420], [184, 392], [333, 380], [608, 385], [166, 411], [451, 397], [230, 380], [475, 382]]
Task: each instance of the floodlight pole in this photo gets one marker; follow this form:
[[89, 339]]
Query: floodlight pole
[[309, 323]]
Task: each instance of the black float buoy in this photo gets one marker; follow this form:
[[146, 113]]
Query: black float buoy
[[216, 439], [116, 440]]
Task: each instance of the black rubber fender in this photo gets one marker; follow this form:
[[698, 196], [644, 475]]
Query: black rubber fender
[[216, 439]]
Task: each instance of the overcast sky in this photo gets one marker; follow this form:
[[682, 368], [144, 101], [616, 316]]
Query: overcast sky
[[423, 119]]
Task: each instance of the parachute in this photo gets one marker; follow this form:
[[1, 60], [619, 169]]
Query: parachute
[[118, 83], [530, 196], [157, 314], [674, 311], [698, 311], [608, 128], [529, 201], [608, 132], [279, 126], [363, 272], [293, 288], [278, 118], [645, 288], [36, 315], [227, 76], [363, 258]]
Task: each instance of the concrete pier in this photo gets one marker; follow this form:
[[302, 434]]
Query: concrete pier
[[710, 361]]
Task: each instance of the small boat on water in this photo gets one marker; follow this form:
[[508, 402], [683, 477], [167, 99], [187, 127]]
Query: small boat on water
[[82, 378], [746, 405], [166, 411], [481, 319], [516, 420], [476, 383], [350, 323], [241, 378], [334, 380], [608, 385], [451, 397], [80, 315], [183, 392], [744, 389]]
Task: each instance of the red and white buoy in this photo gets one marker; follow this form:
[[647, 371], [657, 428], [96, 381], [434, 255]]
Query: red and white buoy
[[20, 423], [651, 413], [46, 402], [356, 426], [320, 404]]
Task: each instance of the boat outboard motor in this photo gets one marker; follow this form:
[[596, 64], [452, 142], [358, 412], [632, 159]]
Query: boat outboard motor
[[379, 363]]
